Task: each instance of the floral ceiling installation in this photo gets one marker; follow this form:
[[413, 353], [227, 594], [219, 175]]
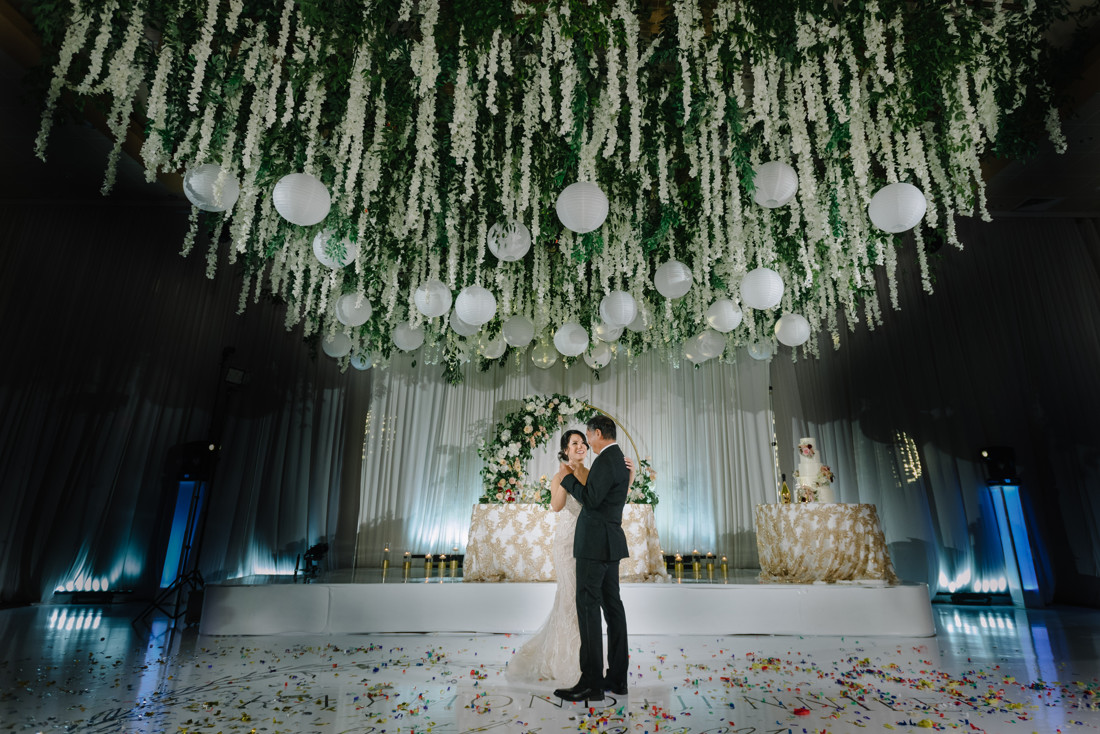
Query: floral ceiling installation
[[435, 126]]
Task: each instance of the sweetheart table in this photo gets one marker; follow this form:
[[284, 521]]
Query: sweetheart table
[[513, 543]]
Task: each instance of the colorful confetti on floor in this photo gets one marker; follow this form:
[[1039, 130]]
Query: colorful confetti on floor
[[86, 669]]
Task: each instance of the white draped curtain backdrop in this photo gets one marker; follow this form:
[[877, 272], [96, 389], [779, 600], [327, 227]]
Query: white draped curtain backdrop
[[112, 346], [707, 432]]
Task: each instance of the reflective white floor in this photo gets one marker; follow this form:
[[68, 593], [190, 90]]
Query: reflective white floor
[[86, 669]]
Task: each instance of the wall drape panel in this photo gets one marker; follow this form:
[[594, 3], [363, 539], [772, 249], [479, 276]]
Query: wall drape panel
[[112, 351], [112, 345]]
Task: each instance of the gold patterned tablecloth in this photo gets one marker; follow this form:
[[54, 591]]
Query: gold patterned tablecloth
[[513, 543], [804, 543]]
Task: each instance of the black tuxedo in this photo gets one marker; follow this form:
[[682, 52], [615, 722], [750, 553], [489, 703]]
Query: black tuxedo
[[598, 545]]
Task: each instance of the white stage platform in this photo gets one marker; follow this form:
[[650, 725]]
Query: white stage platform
[[448, 605]]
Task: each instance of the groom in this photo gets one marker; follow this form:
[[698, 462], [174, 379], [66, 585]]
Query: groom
[[598, 545]]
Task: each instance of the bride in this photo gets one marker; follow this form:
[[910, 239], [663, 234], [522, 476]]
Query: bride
[[553, 652]]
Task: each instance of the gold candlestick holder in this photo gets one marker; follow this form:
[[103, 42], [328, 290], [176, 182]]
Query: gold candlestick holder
[[695, 566], [725, 568], [454, 560], [442, 564], [386, 557], [428, 565], [710, 563], [678, 565], [406, 565]]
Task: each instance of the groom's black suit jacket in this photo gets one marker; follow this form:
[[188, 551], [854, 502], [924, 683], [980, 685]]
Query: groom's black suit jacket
[[599, 535]]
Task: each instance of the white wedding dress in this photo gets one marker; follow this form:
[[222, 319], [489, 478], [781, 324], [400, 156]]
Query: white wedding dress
[[553, 653]]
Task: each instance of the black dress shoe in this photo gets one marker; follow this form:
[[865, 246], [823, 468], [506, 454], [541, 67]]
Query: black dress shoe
[[579, 693], [618, 690]]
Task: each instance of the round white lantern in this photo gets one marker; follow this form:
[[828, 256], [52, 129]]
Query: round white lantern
[[200, 187], [301, 199], [361, 361], [761, 288], [336, 345], [492, 347], [673, 279], [693, 350], [461, 328], [606, 333], [792, 329], [348, 314], [518, 331], [643, 320], [509, 242], [760, 350], [408, 337], [598, 357], [322, 243], [571, 339], [582, 207], [724, 315], [897, 207], [475, 305], [776, 184], [618, 308], [543, 355], [432, 298], [711, 343]]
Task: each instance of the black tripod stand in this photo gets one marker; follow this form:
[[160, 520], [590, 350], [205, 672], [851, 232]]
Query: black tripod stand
[[171, 600]]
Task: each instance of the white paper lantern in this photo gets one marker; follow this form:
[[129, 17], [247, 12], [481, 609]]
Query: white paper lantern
[[475, 305], [673, 279], [433, 298], [408, 337], [776, 184], [509, 242], [760, 350], [543, 355], [322, 243], [693, 350], [643, 320], [301, 199], [618, 308], [792, 329], [582, 207], [711, 343], [492, 347], [518, 331], [571, 339], [361, 361], [897, 207], [336, 345], [348, 314], [724, 315], [761, 288], [200, 187], [461, 328], [598, 356], [606, 333]]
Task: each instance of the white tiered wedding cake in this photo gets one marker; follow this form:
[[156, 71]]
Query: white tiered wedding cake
[[812, 478]]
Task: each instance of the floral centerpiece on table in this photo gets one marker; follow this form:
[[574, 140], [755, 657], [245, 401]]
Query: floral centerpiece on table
[[641, 491]]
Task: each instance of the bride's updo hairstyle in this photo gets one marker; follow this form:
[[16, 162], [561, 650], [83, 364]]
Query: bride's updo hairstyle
[[562, 455]]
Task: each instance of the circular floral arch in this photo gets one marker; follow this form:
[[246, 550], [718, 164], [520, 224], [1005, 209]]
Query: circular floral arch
[[512, 441]]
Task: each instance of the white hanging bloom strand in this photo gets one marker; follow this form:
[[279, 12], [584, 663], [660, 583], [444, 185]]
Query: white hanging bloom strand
[[201, 52], [122, 82], [153, 154], [277, 64], [231, 17], [462, 125], [75, 34], [99, 48]]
